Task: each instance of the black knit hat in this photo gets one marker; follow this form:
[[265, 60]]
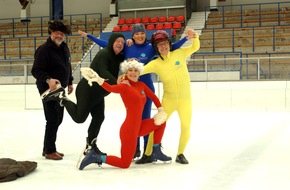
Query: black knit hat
[[57, 25], [113, 37]]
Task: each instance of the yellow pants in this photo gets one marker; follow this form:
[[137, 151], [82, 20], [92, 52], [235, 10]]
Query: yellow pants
[[184, 110]]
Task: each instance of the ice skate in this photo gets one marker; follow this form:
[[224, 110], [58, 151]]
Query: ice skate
[[93, 146], [181, 159], [49, 95], [145, 159], [90, 158], [137, 153], [158, 155]]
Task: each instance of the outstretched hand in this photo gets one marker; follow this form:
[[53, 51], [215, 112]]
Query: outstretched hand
[[91, 76], [190, 33], [82, 33]]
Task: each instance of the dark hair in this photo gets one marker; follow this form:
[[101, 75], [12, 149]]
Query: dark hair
[[57, 25]]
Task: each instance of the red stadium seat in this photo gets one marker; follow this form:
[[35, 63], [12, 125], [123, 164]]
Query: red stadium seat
[[137, 20], [171, 19], [159, 26], [150, 27], [129, 21], [167, 25], [116, 29], [162, 19], [180, 19], [145, 20], [173, 32], [130, 27], [154, 19], [124, 28], [121, 21], [176, 25]]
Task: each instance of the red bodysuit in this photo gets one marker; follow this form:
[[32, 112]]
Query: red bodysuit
[[134, 98]]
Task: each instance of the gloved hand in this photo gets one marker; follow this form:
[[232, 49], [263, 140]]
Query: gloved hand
[[160, 117], [91, 76]]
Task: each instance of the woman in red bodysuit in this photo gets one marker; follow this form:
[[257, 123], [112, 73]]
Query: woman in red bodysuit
[[133, 94]]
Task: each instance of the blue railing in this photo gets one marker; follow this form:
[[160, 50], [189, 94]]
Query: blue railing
[[74, 20], [235, 19], [36, 30], [234, 39], [243, 10]]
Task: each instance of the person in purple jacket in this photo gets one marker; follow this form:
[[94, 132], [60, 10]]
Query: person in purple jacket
[[144, 52]]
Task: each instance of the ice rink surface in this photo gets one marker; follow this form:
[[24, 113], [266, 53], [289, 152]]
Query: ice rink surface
[[227, 151]]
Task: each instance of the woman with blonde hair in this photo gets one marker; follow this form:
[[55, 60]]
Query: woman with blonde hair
[[133, 94]]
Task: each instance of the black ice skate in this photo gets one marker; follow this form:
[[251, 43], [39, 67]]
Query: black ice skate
[[158, 154], [145, 159], [137, 153], [93, 146], [181, 159]]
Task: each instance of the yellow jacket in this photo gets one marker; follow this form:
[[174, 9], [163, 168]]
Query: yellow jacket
[[173, 71]]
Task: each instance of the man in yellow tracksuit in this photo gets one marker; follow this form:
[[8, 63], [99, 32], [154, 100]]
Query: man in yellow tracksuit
[[171, 67]]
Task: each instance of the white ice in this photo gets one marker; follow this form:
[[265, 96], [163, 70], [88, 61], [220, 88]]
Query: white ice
[[227, 151]]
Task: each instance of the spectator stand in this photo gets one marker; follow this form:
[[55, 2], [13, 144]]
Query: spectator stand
[[158, 11], [173, 23]]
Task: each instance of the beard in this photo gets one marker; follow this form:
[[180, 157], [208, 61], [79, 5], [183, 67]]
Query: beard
[[58, 42]]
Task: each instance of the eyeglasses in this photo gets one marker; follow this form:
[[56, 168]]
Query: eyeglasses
[[120, 41]]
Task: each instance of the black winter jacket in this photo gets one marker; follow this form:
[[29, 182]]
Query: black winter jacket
[[51, 61]]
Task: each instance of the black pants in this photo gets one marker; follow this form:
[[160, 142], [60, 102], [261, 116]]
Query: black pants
[[90, 100], [54, 115]]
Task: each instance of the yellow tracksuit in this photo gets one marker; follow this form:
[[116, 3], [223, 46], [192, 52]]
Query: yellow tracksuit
[[173, 73]]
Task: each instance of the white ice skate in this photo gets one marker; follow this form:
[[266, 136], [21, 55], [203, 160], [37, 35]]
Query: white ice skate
[[50, 93]]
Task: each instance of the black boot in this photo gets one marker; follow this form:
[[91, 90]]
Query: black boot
[[181, 159], [145, 159], [137, 153], [93, 146], [158, 154]]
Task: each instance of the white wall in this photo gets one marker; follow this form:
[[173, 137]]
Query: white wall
[[11, 8], [263, 96]]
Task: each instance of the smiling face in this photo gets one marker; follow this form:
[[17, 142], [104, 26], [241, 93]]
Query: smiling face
[[163, 47], [118, 45], [139, 37], [57, 37], [133, 74]]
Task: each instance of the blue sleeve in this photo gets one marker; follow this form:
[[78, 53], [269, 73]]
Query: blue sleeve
[[178, 44], [100, 42]]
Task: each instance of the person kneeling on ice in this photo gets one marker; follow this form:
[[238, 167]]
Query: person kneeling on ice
[[133, 94]]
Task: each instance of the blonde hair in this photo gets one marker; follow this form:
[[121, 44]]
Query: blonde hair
[[130, 63]]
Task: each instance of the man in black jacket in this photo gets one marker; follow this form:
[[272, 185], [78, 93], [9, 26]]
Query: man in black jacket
[[91, 100], [52, 69]]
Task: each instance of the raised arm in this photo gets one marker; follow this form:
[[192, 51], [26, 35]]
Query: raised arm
[[188, 36], [100, 42], [178, 44]]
